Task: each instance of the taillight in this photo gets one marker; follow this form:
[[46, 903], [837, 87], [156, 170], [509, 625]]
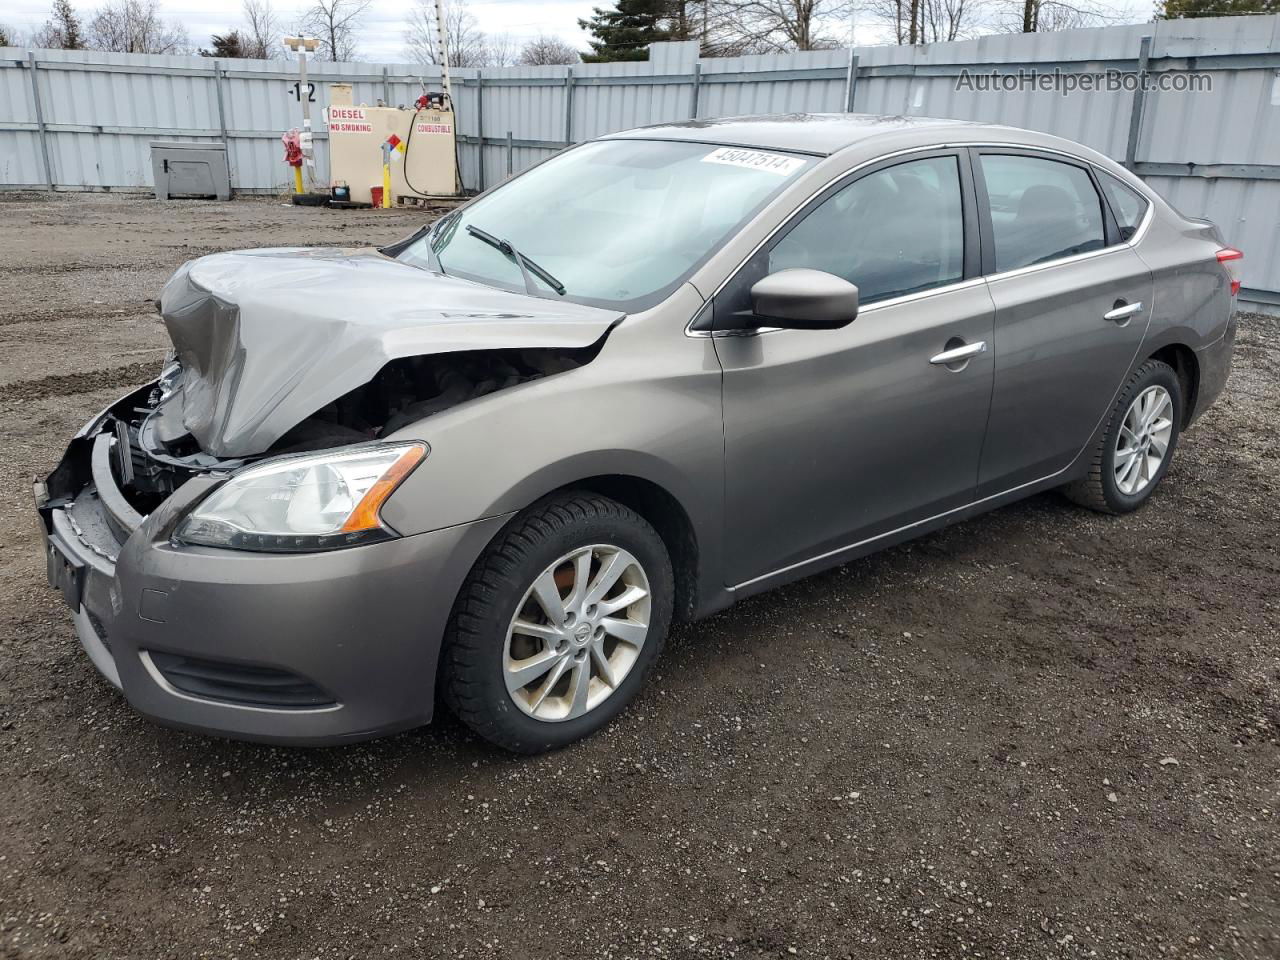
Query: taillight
[[1228, 256]]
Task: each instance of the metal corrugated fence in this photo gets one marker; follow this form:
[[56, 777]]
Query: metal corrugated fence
[[82, 120]]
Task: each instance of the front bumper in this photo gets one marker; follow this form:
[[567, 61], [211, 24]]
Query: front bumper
[[346, 641]]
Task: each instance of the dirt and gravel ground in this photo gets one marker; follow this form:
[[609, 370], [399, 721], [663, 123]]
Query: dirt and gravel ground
[[1042, 733]]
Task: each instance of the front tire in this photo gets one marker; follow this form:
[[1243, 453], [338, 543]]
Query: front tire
[[558, 624], [1138, 444]]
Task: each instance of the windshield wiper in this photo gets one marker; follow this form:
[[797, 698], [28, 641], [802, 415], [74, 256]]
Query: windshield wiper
[[526, 265]]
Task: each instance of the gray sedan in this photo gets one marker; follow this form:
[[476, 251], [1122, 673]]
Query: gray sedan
[[658, 372]]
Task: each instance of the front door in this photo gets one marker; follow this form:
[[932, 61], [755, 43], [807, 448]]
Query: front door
[[834, 437], [1072, 305]]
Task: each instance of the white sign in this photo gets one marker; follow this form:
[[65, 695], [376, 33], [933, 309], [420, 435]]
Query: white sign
[[433, 128], [778, 163]]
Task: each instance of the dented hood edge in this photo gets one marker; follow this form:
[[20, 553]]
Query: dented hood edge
[[268, 337]]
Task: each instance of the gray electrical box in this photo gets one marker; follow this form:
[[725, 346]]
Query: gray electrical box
[[190, 170]]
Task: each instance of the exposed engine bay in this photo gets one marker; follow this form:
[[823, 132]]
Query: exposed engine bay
[[281, 351], [162, 456]]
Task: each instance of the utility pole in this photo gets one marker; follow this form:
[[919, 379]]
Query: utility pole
[[301, 45], [442, 52]]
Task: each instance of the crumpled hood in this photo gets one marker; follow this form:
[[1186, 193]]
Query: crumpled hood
[[268, 337]]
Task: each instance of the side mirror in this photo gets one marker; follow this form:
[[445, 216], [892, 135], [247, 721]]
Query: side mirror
[[802, 299]]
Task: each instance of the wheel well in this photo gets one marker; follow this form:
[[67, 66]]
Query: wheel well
[[1183, 360], [665, 514]]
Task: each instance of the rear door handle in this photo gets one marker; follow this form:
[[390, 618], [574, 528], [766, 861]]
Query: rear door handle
[[1123, 312], [957, 354]]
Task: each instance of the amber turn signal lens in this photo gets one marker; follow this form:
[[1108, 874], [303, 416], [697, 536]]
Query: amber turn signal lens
[[365, 515]]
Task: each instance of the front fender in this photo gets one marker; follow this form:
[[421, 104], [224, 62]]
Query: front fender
[[648, 406]]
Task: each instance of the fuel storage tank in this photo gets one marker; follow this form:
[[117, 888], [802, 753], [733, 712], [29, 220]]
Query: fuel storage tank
[[423, 154]]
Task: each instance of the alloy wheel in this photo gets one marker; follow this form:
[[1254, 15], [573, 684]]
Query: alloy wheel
[[1143, 440], [577, 633]]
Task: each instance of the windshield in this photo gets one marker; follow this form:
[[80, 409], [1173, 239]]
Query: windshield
[[618, 223]]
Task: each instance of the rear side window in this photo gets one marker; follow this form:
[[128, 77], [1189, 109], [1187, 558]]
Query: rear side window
[[1127, 204], [1040, 210], [892, 232]]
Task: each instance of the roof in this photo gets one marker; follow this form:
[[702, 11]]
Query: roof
[[821, 134]]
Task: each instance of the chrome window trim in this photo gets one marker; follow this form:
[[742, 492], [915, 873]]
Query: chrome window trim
[[933, 291], [1146, 217]]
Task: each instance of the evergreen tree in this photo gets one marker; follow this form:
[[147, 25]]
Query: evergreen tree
[[62, 31], [68, 25], [1178, 9], [625, 32], [229, 45]]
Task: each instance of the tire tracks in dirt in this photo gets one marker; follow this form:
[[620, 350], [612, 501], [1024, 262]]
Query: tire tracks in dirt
[[67, 384]]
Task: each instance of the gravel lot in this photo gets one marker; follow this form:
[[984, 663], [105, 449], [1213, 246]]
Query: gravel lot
[[1042, 733]]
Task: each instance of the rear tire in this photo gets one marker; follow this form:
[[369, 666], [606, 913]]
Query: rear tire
[[540, 604], [1135, 450]]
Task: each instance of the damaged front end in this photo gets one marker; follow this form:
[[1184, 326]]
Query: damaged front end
[[286, 352], [279, 424], [137, 453]]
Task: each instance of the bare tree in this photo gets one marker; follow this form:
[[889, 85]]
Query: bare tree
[[262, 30], [544, 50], [929, 21], [1043, 16], [500, 50], [135, 26], [900, 17], [944, 20], [334, 23], [768, 26], [469, 46], [44, 37], [9, 37]]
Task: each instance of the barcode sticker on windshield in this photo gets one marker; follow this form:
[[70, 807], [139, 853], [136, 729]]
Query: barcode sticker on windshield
[[778, 163]]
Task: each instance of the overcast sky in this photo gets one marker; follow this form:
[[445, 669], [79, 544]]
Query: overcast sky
[[381, 36], [382, 29]]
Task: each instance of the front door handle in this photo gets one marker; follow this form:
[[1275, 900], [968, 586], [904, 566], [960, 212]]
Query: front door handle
[[959, 354], [1123, 312]]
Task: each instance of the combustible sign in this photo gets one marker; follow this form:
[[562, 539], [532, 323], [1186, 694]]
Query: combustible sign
[[433, 128], [349, 120]]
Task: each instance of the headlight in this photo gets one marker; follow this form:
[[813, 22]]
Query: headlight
[[312, 502]]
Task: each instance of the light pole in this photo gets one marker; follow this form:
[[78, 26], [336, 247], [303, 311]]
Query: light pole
[[442, 54], [301, 46]]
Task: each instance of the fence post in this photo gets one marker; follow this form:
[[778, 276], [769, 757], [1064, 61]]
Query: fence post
[[386, 89], [697, 85], [480, 130], [851, 82], [510, 158], [1135, 110], [219, 74], [44, 141], [568, 105]]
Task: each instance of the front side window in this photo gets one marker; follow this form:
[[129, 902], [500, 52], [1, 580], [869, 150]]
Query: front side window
[[1127, 204], [892, 232], [618, 223], [1041, 210]]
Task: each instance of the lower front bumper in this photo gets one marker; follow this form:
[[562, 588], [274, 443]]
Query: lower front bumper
[[363, 625]]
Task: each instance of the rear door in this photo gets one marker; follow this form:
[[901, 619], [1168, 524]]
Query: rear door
[[1072, 302], [836, 436]]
